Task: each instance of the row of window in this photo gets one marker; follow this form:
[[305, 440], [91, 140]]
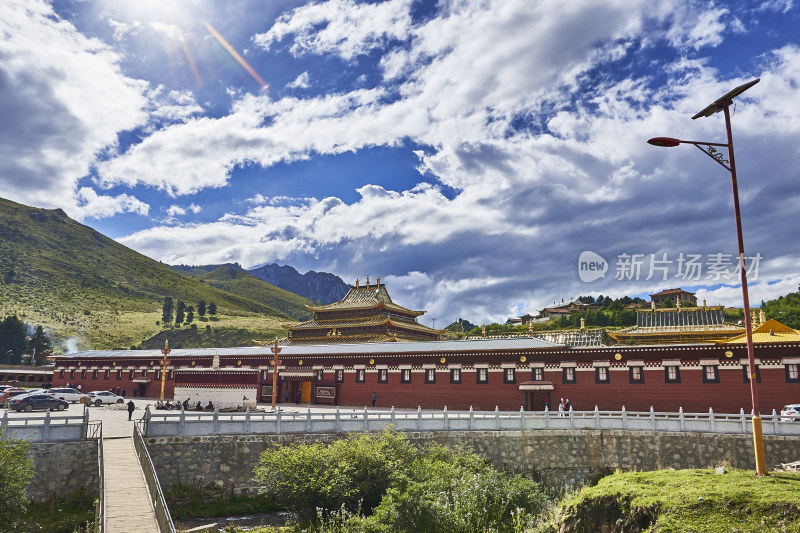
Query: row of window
[[107, 374], [672, 374]]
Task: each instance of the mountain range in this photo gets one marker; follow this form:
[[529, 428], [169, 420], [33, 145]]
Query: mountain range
[[90, 291]]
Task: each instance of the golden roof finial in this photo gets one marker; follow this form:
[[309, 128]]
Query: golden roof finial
[[379, 281], [356, 283], [368, 282]]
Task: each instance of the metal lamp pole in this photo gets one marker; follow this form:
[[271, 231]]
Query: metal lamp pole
[[723, 104]]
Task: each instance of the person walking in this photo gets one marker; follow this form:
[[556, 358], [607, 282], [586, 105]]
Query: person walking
[[297, 398], [123, 392], [567, 406], [131, 407], [561, 407], [373, 399]]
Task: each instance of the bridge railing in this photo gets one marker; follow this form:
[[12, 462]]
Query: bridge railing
[[346, 421], [48, 427], [163, 517]]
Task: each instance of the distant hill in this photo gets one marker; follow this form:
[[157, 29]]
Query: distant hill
[[97, 293], [234, 279], [321, 287]]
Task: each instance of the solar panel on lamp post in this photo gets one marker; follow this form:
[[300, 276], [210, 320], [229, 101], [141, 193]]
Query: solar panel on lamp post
[[723, 104]]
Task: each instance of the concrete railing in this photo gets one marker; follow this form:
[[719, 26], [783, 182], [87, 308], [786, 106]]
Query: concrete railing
[[100, 513], [336, 421], [48, 428]]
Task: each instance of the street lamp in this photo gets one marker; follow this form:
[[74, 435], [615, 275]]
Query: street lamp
[[723, 104]]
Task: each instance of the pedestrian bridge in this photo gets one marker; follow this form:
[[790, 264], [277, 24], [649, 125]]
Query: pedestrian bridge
[[189, 423]]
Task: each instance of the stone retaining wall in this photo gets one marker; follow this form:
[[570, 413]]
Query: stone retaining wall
[[60, 468], [555, 458]]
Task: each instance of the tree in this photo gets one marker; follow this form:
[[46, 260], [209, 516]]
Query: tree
[[201, 308], [12, 339], [212, 308], [180, 313], [189, 315], [166, 311], [16, 473], [40, 346]]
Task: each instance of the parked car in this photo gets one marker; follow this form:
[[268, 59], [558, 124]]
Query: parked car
[[790, 412], [102, 397], [36, 401], [67, 393], [10, 393]]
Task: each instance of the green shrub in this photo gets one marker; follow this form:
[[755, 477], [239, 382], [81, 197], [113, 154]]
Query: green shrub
[[430, 489], [16, 472]]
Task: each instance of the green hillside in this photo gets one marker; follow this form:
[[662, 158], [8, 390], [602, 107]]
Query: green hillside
[[234, 279], [84, 286]]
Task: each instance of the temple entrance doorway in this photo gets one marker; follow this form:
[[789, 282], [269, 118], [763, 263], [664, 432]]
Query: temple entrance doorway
[[537, 395]]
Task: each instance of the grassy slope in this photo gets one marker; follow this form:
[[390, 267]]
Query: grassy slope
[[57, 272], [686, 501], [234, 279]]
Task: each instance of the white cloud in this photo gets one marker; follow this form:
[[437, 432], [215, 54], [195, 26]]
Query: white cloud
[[300, 82], [342, 27], [175, 210], [63, 100], [92, 205]]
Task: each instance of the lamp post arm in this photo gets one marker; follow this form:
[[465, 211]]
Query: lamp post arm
[[716, 156]]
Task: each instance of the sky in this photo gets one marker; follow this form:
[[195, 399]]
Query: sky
[[484, 158]]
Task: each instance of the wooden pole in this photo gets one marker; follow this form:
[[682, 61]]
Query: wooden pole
[[164, 363]]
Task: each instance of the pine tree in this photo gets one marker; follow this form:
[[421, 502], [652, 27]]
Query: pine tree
[[189, 315], [212, 308], [12, 340], [201, 308], [40, 346], [180, 313], [166, 311]]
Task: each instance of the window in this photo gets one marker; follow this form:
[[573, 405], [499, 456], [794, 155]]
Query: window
[[636, 374], [430, 375], [405, 375], [455, 375], [509, 375], [83, 374], [383, 376], [340, 376], [360, 375], [320, 375], [538, 374], [169, 375], [793, 373], [568, 375], [746, 374], [119, 374], [157, 376], [72, 374], [94, 374], [710, 374], [132, 374], [61, 373], [107, 374], [482, 375], [672, 374], [601, 375]]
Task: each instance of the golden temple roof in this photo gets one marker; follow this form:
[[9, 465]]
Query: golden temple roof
[[365, 297], [770, 331]]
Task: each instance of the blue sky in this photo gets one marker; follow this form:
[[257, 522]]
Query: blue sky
[[466, 151]]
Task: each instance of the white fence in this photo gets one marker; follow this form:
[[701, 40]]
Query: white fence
[[49, 428], [336, 421]]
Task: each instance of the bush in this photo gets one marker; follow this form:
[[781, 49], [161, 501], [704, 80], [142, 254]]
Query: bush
[[423, 490], [16, 472]]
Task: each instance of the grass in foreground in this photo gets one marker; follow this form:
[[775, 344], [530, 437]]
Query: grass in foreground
[[684, 501]]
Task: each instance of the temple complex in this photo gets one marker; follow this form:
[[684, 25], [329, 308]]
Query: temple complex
[[365, 314], [678, 325]]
